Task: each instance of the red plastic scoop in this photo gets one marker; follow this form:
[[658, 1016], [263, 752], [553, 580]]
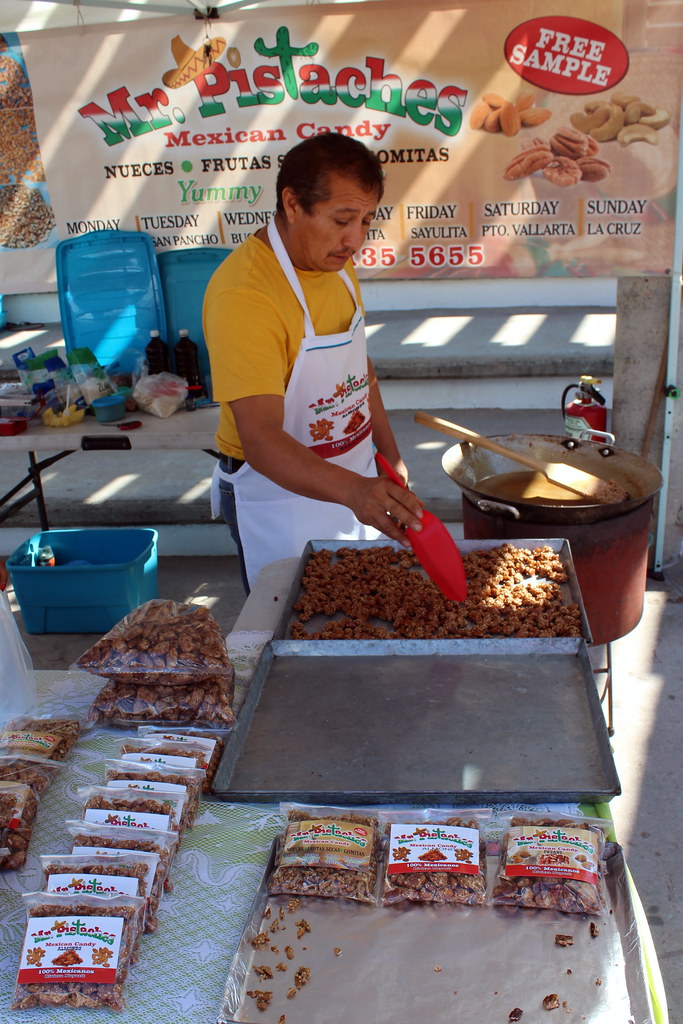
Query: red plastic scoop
[[434, 548]]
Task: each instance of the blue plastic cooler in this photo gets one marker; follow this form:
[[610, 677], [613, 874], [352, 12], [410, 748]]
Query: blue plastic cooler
[[99, 577]]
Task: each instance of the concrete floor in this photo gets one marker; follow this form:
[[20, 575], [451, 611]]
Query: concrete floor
[[648, 715]]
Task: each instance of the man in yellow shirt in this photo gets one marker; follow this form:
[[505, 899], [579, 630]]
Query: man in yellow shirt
[[300, 409]]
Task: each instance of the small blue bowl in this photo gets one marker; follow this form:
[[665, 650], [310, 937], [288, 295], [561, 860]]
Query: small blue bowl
[[109, 408]]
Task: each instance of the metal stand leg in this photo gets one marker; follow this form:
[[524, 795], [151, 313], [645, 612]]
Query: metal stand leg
[[607, 688]]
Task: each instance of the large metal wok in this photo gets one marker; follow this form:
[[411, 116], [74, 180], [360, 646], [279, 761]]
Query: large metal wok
[[470, 466]]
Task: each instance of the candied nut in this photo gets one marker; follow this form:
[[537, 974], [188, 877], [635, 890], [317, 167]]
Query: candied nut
[[337, 951], [437, 968], [527, 162], [262, 997], [551, 1002], [293, 904], [594, 930], [301, 976], [564, 940], [291, 992], [569, 142], [289, 952], [638, 133], [515, 1014], [260, 940], [562, 171], [263, 971], [593, 169], [302, 927], [510, 121]]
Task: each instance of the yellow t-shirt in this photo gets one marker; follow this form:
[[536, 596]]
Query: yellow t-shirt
[[254, 324]]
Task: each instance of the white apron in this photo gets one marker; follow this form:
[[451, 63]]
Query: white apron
[[326, 408]]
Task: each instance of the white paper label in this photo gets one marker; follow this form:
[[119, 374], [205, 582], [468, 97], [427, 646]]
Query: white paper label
[[62, 949], [128, 819]]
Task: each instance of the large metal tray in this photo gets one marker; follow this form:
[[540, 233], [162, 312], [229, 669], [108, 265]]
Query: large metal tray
[[408, 963], [410, 720], [571, 591]]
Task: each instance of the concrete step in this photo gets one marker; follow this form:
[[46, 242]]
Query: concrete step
[[171, 489], [445, 343], [490, 343]]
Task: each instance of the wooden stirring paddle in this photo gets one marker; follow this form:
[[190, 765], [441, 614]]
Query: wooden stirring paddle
[[586, 485]]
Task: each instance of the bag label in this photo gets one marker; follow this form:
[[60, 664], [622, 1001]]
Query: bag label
[[69, 948], [558, 851], [129, 819], [326, 843], [425, 847]]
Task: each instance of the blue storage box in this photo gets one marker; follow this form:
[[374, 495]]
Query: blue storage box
[[184, 275], [111, 573], [109, 294]]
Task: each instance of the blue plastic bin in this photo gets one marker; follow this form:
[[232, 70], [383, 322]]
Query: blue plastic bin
[[120, 573], [184, 275], [109, 294]]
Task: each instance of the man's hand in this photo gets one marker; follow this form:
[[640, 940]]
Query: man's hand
[[375, 501], [378, 502]]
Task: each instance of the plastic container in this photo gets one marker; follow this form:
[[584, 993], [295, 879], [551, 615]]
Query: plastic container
[[185, 273], [100, 575], [109, 293], [109, 408]]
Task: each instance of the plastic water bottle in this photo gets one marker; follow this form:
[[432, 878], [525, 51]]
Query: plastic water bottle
[[158, 356], [186, 356], [45, 556]]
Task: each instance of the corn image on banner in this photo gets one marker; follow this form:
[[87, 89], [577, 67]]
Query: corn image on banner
[[518, 139]]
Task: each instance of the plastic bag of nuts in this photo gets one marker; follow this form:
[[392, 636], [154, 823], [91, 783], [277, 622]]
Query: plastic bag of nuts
[[110, 839], [18, 808], [207, 703], [125, 874], [552, 863], [327, 851], [40, 737], [120, 772], [36, 772], [132, 808], [161, 642], [76, 966], [434, 856], [179, 753], [211, 741]]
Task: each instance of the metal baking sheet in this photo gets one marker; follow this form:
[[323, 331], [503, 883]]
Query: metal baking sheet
[[408, 963], [443, 721], [571, 591]]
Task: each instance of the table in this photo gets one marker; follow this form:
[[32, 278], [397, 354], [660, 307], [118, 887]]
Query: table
[[182, 968], [183, 431]]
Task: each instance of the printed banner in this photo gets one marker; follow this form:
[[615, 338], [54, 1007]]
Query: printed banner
[[519, 139]]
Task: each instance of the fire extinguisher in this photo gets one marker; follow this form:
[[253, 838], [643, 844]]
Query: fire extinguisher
[[587, 410]]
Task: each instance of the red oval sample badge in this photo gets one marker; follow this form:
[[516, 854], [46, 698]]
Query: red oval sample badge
[[567, 55]]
